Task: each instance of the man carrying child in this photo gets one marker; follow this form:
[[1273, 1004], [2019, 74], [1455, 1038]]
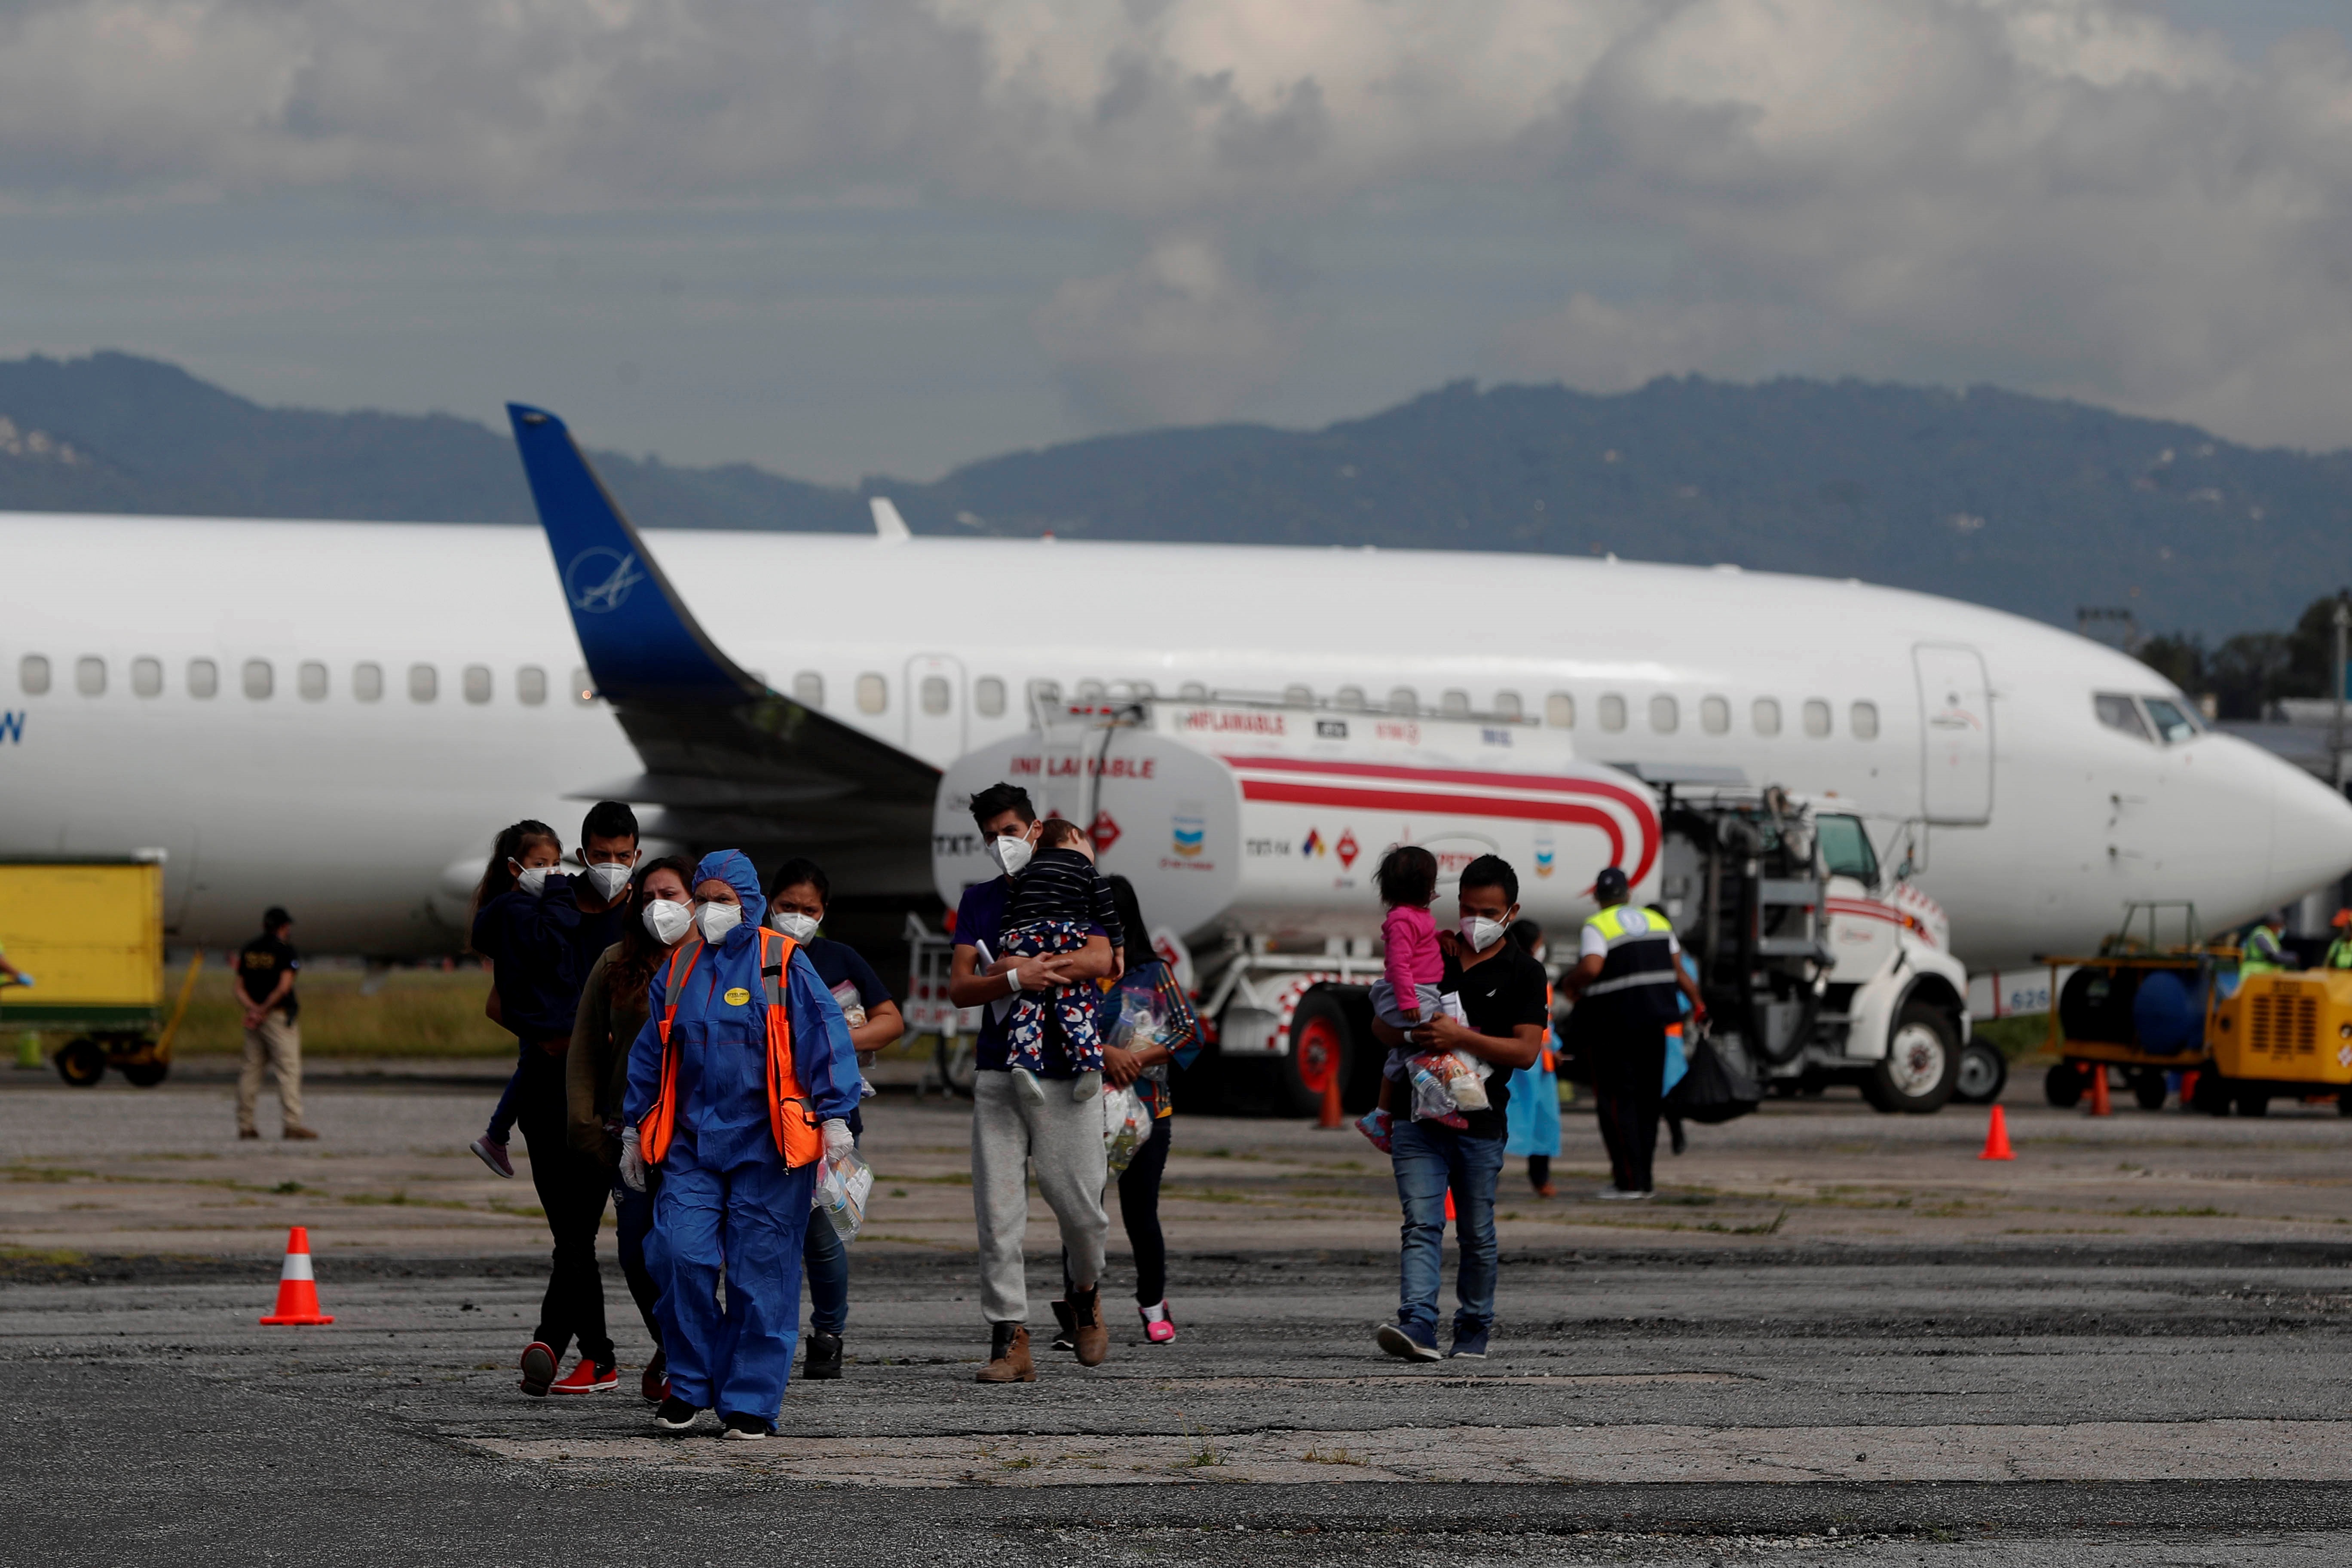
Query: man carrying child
[[1437, 1148]]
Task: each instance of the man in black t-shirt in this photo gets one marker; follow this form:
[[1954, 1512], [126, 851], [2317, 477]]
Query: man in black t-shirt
[[1501, 991], [265, 989]]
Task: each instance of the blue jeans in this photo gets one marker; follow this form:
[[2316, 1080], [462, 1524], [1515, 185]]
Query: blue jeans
[[1430, 1158]]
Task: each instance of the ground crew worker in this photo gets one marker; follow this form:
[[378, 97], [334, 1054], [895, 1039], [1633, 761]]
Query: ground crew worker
[[2339, 951], [1624, 982], [273, 1033], [740, 1082], [2262, 952]]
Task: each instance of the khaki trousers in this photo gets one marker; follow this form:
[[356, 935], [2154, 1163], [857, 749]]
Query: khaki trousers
[[1061, 1143], [278, 1042]]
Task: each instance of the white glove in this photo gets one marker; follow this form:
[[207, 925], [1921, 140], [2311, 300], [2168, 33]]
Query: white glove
[[633, 1162], [837, 1141]]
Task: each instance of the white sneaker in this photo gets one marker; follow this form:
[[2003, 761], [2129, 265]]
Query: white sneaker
[[1089, 1085], [1619, 1196], [1026, 1082]]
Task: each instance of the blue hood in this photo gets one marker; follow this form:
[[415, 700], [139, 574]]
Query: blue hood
[[731, 867]]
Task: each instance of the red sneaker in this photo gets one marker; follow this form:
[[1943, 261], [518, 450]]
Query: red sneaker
[[587, 1377], [654, 1384], [1157, 1326]]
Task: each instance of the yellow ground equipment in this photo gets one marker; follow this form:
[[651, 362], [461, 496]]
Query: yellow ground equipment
[[90, 934], [2138, 1006], [2284, 1035]]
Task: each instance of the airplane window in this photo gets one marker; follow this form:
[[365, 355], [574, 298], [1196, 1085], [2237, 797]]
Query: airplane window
[[147, 677], [90, 676], [32, 674], [1453, 704], [1766, 716], [935, 695], [808, 688], [988, 695], [1144, 690], [2171, 724], [1404, 700], [1665, 714], [1845, 847], [204, 678], [424, 683], [1612, 713], [310, 680], [874, 694], [1863, 720], [2118, 711], [1349, 699], [367, 682], [1194, 691], [530, 685], [583, 690], [1088, 692], [1559, 710], [1298, 695], [1507, 703], [259, 680], [1714, 715], [1045, 692], [477, 683], [1817, 717]]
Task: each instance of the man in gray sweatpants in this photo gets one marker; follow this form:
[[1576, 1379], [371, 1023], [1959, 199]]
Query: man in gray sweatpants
[[1061, 1140]]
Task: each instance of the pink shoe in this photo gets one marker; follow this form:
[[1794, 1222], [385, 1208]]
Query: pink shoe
[[492, 1154], [1157, 1326]]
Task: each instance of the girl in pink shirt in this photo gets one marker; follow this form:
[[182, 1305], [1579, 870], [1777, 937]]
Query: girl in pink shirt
[[1406, 993]]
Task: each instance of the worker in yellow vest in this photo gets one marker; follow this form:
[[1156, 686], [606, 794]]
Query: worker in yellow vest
[[741, 1082], [2339, 951], [2261, 951], [1625, 984]]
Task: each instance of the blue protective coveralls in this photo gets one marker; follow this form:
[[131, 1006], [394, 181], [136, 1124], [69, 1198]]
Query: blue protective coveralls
[[727, 1199]]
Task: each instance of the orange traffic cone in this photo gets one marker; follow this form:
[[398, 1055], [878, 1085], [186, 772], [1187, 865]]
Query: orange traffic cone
[[1449, 1203], [1997, 1138], [2099, 1106], [1332, 1116], [298, 1290]]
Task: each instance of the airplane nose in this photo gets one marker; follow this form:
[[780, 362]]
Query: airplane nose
[[2311, 835]]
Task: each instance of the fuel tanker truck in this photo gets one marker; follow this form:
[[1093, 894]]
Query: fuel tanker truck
[[1251, 829]]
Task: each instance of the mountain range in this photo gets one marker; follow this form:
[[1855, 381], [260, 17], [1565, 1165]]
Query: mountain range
[[2037, 505]]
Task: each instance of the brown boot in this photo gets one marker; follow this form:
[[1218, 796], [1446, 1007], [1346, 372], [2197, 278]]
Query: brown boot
[[1008, 1355], [1093, 1337]]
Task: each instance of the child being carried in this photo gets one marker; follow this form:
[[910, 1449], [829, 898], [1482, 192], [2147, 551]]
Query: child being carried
[[1406, 995], [1056, 903]]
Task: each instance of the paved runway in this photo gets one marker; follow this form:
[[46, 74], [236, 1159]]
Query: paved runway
[[2061, 1361]]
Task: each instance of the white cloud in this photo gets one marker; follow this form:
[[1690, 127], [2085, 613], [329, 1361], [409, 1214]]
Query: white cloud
[[2069, 194]]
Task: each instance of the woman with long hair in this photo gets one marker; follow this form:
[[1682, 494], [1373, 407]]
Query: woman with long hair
[[525, 848], [596, 1069]]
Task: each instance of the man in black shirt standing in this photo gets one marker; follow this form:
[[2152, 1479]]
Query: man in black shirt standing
[[265, 989], [1502, 993]]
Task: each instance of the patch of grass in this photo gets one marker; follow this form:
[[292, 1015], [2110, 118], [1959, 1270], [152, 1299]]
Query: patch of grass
[[399, 1198], [2206, 1213], [2014, 1037], [54, 1256], [287, 1187], [414, 1013]]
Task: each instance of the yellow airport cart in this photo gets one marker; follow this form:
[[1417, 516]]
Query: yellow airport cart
[[90, 934], [2282, 1036], [2137, 1007]]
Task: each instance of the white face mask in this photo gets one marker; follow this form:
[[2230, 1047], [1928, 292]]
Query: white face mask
[[718, 920], [1011, 854], [666, 920], [533, 881], [1480, 932], [794, 924], [608, 880]]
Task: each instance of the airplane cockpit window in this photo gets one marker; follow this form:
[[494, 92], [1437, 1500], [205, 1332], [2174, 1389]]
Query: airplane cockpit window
[[367, 682], [32, 674], [261, 681], [2171, 720], [988, 695], [2118, 711], [90, 676], [1845, 848], [1612, 713]]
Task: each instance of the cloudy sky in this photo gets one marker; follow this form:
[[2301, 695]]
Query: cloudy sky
[[845, 237]]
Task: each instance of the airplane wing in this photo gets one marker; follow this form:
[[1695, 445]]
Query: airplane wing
[[727, 761]]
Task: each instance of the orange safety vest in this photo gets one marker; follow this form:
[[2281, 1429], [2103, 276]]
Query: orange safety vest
[[800, 1137]]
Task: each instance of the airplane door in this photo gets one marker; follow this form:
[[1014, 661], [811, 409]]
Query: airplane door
[[935, 708], [1955, 724]]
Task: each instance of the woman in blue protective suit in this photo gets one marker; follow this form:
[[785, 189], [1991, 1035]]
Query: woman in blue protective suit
[[739, 1085]]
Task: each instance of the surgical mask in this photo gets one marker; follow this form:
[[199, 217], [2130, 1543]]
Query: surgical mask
[[608, 880], [1011, 854], [718, 920], [1480, 932], [666, 920], [794, 924], [532, 882]]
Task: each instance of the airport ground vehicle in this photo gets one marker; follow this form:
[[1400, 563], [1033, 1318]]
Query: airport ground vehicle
[[1818, 966], [1251, 828], [90, 934], [2137, 1007]]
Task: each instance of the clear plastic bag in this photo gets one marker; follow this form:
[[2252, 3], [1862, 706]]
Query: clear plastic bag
[[1468, 1077], [842, 1185], [1127, 1124], [1432, 1090]]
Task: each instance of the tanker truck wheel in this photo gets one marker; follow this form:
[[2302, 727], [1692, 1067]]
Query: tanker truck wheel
[[1322, 1043], [1984, 1073], [1921, 1064], [2149, 1089], [2063, 1085]]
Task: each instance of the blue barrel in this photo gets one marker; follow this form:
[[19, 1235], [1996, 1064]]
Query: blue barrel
[[2168, 1011]]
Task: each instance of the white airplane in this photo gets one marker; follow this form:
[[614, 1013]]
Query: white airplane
[[337, 716]]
